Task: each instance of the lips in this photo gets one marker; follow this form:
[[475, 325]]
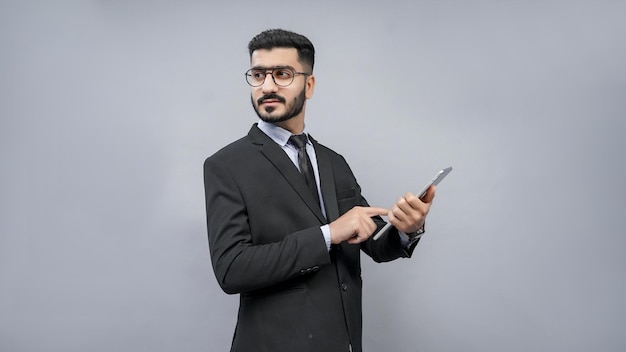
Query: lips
[[270, 99]]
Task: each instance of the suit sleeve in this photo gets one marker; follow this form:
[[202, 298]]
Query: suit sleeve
[[239, 264], [388, 247]]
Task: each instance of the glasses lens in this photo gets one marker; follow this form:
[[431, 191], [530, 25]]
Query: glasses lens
[[283, 76], [255, 78]]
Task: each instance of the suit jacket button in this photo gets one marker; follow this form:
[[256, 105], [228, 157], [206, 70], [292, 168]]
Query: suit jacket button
[[344, 286], [302, 272], [316, 268], [308, 270]]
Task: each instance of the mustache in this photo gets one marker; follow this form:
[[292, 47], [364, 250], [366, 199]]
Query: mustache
[[270, 97]]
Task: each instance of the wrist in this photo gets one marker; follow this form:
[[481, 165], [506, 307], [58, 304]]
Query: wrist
[[417, 234]]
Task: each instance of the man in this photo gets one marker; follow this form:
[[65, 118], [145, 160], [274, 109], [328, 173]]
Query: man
[[289, 247]]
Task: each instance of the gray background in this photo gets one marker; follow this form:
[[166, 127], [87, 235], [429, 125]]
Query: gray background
[[109, 108]]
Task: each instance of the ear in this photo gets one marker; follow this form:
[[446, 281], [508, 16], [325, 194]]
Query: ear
[[310, 86]]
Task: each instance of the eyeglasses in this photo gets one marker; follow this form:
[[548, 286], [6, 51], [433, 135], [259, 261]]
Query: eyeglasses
[[282, 76]]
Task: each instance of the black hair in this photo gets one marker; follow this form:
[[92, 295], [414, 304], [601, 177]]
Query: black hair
[[280, 38]]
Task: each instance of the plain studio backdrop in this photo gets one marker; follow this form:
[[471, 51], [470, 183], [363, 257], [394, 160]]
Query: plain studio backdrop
[[109, 108]]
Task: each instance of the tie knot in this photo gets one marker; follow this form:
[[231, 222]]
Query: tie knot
[[299, 140]]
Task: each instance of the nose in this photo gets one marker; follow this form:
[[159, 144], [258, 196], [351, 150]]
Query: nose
[[269, 86]]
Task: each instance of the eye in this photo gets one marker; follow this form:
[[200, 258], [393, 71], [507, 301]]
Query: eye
[[257, 74], [283, 73]]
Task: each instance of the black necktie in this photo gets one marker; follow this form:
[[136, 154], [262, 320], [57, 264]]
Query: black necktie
[[306, 168]]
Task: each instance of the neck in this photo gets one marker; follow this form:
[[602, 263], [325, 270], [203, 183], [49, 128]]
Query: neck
[[294, 125]]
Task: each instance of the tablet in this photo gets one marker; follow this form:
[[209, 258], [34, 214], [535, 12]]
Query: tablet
[[435, 181]]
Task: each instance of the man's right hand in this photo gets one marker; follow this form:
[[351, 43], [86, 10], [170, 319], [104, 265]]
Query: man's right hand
[[355, 226]]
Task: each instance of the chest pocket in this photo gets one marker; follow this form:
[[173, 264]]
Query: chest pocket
[[347, 199]]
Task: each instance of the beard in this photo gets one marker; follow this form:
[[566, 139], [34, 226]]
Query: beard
[[293, 109]]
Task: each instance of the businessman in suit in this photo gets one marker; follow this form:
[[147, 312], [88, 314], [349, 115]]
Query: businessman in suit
[[286, 219]]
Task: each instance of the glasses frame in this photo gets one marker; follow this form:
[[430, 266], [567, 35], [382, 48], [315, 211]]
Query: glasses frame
[[271, 71]]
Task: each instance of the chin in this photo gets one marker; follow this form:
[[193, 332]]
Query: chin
[[271, 115], [270, 119]]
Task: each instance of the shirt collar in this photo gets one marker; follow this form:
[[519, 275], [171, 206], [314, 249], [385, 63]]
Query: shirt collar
[[277, 134]]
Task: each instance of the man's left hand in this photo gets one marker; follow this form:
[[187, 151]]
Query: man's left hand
[[409, 213]]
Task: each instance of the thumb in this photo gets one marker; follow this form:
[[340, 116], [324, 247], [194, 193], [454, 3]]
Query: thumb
[[430, 194]]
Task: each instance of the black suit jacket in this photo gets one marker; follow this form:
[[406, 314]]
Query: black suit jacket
[[266, 244]]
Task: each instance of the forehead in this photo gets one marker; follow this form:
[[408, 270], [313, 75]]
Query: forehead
[[275, 57]]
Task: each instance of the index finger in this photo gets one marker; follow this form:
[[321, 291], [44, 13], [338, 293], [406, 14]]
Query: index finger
[[372, 211]]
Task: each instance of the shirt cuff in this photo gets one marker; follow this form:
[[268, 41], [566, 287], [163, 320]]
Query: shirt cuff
[[326, 232]]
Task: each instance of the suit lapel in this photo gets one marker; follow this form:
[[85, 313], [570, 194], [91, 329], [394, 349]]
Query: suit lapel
[[287, 169]]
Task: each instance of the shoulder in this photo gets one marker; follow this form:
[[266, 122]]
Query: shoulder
[[229, 151], [241, 148]]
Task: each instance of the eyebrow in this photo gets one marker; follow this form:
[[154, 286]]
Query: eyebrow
[[272, 67]]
